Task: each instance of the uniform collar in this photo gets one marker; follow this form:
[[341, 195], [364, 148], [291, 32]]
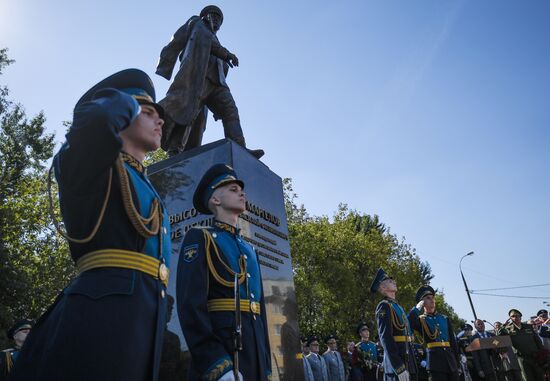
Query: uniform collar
[[133, 162], [228, 228]]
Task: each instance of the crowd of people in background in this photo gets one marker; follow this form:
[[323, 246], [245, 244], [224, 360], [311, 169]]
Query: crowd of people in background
[[528, 359]]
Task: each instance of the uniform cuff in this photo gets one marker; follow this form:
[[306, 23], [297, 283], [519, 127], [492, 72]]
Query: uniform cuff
[[218, 369]]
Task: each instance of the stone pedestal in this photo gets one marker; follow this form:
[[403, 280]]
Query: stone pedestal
[[263, 225]]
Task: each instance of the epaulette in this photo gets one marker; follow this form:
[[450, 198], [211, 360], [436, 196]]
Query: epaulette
[[8, 350]]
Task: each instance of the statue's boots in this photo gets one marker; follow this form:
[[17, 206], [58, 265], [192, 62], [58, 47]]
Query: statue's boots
[[234, 132]]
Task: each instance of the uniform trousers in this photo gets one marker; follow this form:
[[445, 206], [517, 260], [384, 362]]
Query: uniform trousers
[[443, 376]]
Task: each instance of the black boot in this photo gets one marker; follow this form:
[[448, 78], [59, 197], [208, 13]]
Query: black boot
[[232, 129]]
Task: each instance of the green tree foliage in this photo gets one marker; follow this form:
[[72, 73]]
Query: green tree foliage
[[335, 260], [34, 261]]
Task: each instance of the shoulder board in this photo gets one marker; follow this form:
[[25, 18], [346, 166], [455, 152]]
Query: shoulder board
[[8, 350], [357, 345]]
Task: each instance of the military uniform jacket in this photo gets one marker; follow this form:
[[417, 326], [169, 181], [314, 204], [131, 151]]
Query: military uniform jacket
[[318, 367], [439, 339], [205, 295], [335, 366], [308, 374], [108, 323], [7, 359], [525, 340], [365, 351], [396, 337]]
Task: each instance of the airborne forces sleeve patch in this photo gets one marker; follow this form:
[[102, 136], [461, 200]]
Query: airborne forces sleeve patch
[[190, 253]]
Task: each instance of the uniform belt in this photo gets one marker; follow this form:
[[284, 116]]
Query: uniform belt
[[438, 344], [403, 339], [229, 305], [125, 259]]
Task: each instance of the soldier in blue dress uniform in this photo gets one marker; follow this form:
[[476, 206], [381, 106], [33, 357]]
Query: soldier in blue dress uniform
[[394, 331], [437, 334], [365, 356], [109, 322], [18, 334], [211, 259]]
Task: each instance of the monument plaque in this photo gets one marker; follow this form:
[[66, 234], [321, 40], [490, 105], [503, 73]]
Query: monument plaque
[[263, 225]]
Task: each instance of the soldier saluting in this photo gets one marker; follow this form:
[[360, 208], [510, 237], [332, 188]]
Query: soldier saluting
[[437, 333], [210, 261], [394, 331], [109, 322]]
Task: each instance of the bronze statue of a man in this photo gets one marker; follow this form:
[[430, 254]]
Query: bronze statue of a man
[[199, 85]]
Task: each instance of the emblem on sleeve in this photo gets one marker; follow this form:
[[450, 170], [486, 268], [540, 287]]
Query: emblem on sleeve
[[190, 253]]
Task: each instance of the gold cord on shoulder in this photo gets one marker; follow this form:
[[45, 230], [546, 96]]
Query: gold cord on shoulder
[[140, 223], [431, 335], [9, 362], [209, 242], [395, 320], [65, 234]]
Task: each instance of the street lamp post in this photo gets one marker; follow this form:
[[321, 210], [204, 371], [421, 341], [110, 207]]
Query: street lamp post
[[465, 285]]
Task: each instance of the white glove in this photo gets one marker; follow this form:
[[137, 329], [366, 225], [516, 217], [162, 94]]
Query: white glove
[[423, 363], [404, 376], [463, 359], [420, 305], [229, 376]]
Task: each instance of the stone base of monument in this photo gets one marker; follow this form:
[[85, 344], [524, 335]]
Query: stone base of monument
[[263, 225]]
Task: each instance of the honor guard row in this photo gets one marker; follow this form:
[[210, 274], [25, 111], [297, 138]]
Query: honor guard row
[[108, 323], [395, 329]]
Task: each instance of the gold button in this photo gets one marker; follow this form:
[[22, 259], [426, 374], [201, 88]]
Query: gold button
[[162, 294], [163, 272]]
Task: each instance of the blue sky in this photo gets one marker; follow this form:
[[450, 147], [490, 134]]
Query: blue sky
[[432, 114]]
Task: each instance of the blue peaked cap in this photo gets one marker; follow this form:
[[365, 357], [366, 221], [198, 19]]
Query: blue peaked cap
[[378, 279], [134, 82]]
